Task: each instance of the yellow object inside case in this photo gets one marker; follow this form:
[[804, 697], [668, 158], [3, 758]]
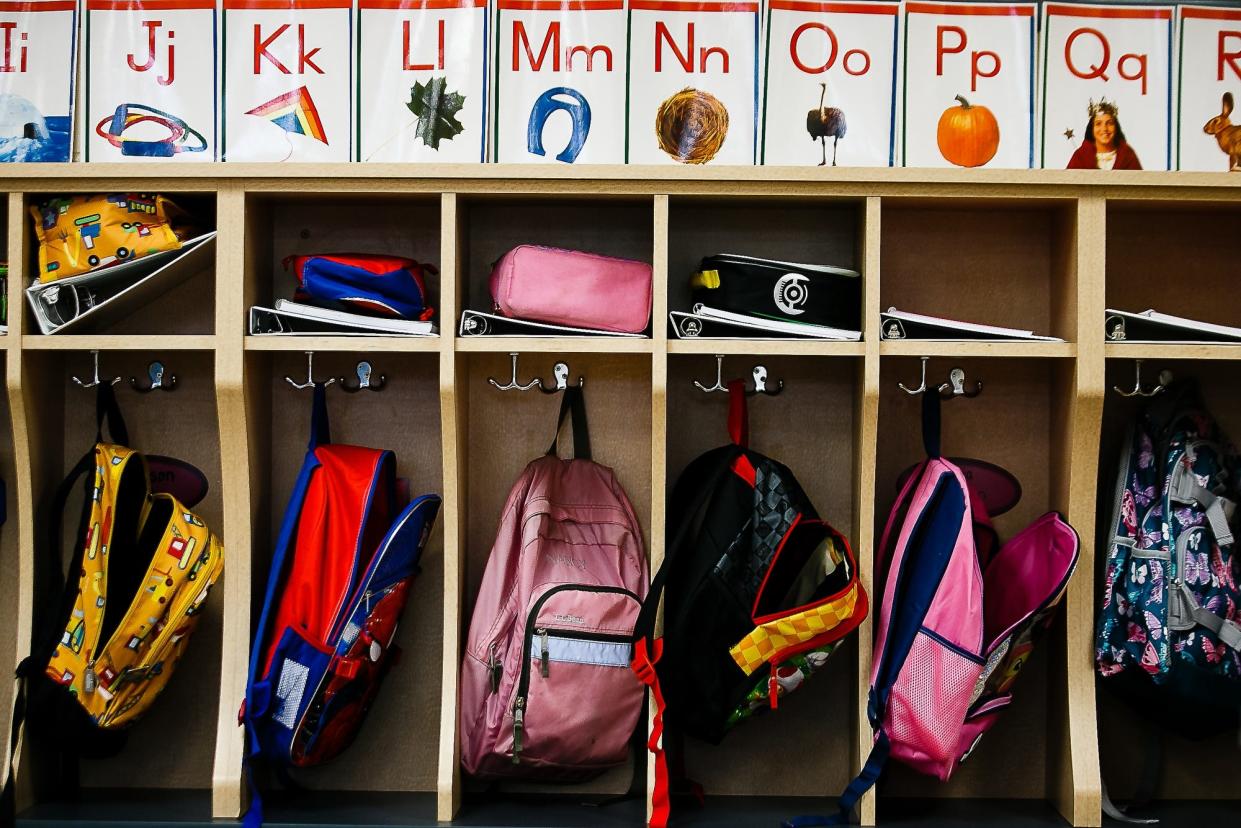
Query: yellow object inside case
[[80, 234]]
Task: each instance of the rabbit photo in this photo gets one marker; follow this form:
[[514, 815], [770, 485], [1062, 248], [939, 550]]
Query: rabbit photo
[[1227, 134]]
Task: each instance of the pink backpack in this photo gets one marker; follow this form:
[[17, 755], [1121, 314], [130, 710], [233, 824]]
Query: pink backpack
[[546, 689], [955, 622]]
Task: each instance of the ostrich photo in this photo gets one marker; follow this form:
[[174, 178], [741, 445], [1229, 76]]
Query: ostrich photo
[[826, 122]]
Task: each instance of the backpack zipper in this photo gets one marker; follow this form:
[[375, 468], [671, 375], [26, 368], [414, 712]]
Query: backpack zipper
[[523, 681]]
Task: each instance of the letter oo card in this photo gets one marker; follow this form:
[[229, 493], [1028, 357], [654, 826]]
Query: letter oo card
[[37, 70], [560, 82], [150, 80], [968, 97], [288, 80], [1208, 88], [1107, 87], [829, 86], [693, 82], [422, 80]]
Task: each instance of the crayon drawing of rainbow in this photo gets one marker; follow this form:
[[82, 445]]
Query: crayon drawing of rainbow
[[293, 112]]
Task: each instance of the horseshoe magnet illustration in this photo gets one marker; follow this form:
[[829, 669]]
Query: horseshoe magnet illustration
[[547, 103]]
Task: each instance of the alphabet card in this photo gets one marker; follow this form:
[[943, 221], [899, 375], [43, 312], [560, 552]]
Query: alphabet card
[[969, 85], [422, 80], [36, 79], [560, 82], [150, 80], [288, 80], [829, 89], [693, 82], [1107, 87], [1208, 88]]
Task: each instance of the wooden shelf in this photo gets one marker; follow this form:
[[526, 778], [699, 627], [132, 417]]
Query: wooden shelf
[[1012, 350], [792, 347], [1171, 350], [559, 345], [346, 344], [117, 342]]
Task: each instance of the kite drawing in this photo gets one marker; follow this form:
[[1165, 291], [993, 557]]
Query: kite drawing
[[295, 113]]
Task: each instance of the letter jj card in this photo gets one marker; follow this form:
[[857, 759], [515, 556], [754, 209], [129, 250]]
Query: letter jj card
[[288, 80], [422, 80], [1208, 87], [150, 80], [829, 87], [560, 82], [693, 84], [36, 79], [1107, 87], [969, 85]]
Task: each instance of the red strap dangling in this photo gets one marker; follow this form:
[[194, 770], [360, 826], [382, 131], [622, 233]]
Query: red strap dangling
[[738, 414], [643, 665]]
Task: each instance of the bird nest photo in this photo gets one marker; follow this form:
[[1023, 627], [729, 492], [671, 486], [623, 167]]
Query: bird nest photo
[[691, 126]]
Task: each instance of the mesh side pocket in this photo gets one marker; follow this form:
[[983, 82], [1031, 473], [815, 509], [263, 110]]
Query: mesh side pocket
[[928, 705]]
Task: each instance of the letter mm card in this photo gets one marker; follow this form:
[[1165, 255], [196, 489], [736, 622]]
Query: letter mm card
[[288, 79], [968, 98], [39, 42], [1208, 88], [422, 80], [150, 80], [560, 82], [829, 83], [693, 82], [1120, 56]]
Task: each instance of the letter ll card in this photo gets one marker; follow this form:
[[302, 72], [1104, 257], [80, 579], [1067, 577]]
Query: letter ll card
[[39, 42], [1107, 87], [287, 80], [693, 87], [969, 85], [560, 82], [422, 80], [150, 80], [1208, 88], [829, 88]]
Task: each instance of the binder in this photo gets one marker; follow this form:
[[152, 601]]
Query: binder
[[477, 323], [1152, 326], [897, 324], [292, 318], [711, 323]]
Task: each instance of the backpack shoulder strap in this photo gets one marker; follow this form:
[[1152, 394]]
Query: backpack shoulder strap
[[573, 401]]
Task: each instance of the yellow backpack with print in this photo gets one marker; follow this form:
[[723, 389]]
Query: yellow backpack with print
[[116, 627]]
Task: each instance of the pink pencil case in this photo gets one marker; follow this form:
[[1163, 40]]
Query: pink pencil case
[[568, 287]]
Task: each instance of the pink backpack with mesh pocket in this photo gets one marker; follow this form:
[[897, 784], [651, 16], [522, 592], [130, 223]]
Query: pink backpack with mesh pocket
[[956, 619]]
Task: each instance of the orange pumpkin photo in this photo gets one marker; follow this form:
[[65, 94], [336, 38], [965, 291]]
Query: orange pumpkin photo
[[968, 135]]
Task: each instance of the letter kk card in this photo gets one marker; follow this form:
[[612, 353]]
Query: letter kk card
[[422, 80], [829, 88], [1209, 68], [560, 82], [288, 80], [150, 80], [984, 53], [1121, 53]]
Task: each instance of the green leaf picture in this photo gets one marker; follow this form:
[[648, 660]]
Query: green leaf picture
[[436, 109]]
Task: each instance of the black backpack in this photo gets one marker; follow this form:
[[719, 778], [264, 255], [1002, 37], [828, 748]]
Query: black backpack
[[745, 550]]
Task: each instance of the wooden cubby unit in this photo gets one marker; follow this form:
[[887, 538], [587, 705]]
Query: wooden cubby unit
[[1045, 250]]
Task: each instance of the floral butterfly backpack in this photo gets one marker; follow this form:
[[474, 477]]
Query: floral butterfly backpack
[[1169, 632]]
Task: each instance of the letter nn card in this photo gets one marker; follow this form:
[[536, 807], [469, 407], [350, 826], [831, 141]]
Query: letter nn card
[[288, 80], [1208, 88], [560, 82], [968, 96], [150, 80], [422, 80], [829, 87], [693, 83], [36, 79], [1107, 87]]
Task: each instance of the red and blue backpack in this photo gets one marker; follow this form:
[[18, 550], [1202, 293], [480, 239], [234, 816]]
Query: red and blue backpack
[[341, 572], [366, 283]]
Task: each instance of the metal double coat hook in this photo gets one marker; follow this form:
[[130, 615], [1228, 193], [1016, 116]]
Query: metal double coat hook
[[96, 380], [1165, 379], [560, 379], [760, 380], [955, 387]]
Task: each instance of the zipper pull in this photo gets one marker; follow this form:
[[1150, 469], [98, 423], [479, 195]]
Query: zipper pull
[[89, 679], [519, 724], [494, 668], [367, 595], [544, 658], [773, 690]]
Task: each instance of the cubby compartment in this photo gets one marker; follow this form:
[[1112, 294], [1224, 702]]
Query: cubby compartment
[[488, 226], [764, 766], [281, 224], [1020, 422], [180, 300], [1008, 262], [1176, 257], [396, 748], [819, 231], [502, 432], [172, 748], [1196, 786]]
